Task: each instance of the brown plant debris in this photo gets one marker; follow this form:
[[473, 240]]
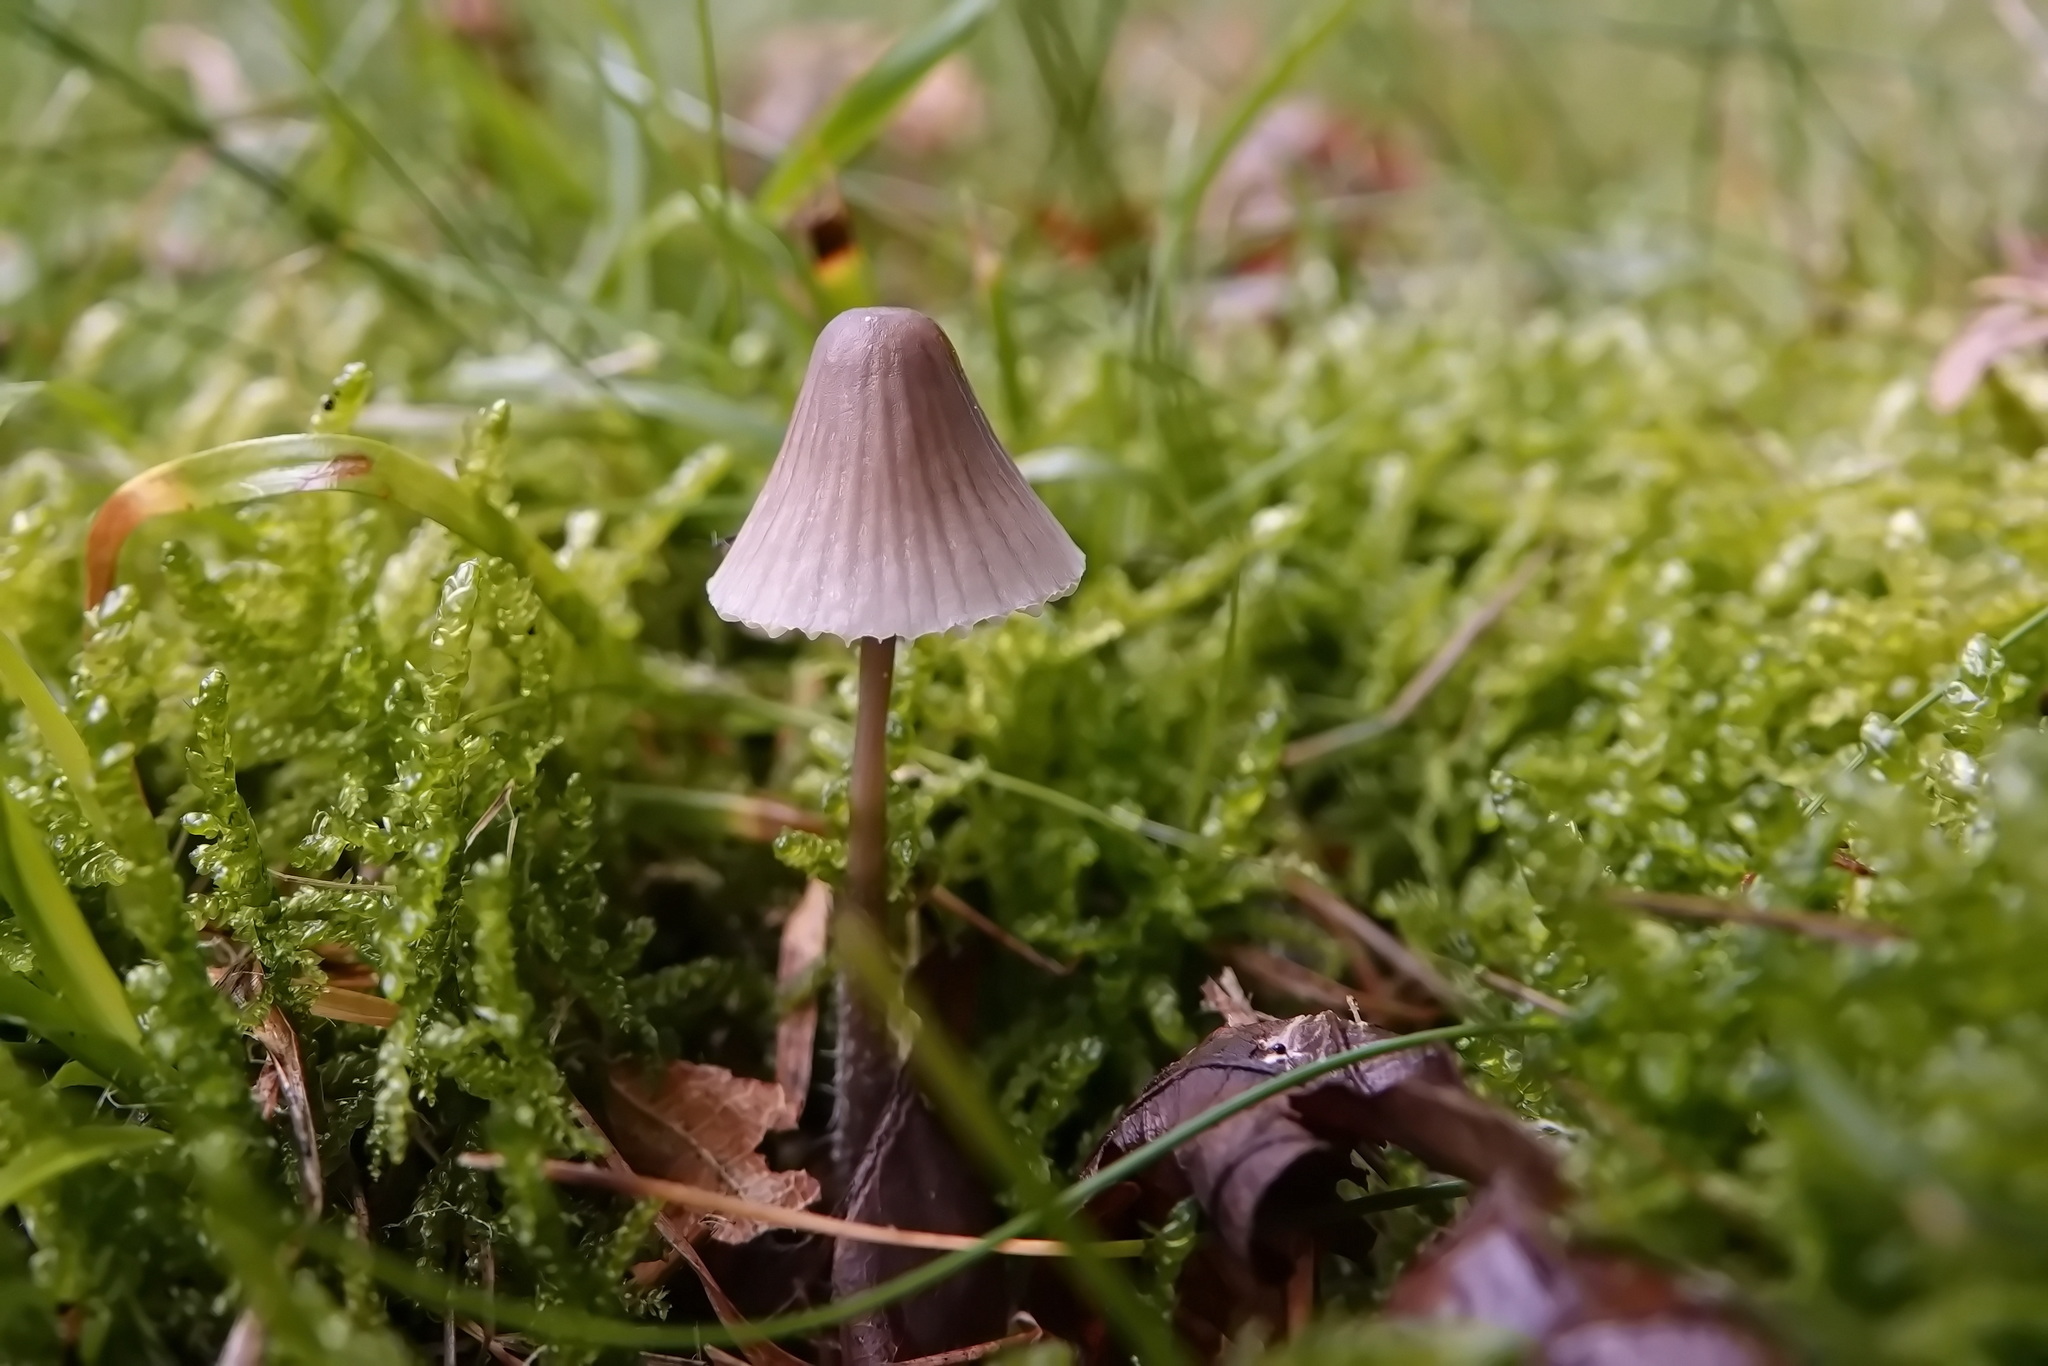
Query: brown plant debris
[[700, 1125], [1711, 910], [796, 1033], [1501, 1265]]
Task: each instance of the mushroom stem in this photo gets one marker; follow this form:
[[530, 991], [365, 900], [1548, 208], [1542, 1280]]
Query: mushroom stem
[[867, 834]]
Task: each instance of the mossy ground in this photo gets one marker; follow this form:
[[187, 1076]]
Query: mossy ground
[[1725, 536]]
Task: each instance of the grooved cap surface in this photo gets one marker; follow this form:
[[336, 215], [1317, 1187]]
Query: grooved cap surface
[[891, 510]]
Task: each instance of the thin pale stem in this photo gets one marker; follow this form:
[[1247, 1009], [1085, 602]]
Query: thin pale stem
[[867, 835]]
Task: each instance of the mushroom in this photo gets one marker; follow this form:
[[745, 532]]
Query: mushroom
[[892, 512]]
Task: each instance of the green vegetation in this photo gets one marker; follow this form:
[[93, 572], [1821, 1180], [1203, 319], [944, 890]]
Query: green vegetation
[[413, 692]]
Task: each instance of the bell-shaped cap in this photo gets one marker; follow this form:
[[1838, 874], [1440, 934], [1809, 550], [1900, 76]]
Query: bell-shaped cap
[[891, 510]]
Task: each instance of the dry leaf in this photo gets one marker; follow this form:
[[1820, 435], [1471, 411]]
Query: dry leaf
[[803, 944], [1500, 1265], [1262, 1175], [700, 1125]]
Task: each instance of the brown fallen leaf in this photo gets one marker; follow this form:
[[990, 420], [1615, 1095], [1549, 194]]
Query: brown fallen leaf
[[796, 1034], [676, 1230], [1501, 1265], [1261, 1175], [700, 1125]]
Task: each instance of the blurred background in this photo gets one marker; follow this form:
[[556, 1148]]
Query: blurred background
[[207, 206]]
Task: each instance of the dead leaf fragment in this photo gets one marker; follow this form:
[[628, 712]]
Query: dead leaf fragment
[[1262, 1174], [1501, 1265], [796, 1034], [701, 1125]]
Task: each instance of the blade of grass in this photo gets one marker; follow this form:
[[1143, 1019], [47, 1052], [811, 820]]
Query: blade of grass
[[856, 117], [1293, 52], [316, 463], [48, 1158], [319, 220], [56, 1023], [59, 736], [66, 952], [573, 1325]]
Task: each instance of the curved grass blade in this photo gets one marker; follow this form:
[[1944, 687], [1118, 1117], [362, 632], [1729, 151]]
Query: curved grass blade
[[46, 1159], [59, 736], [66, 952], [328, 462], [1303, 42], [566, 1325], [54, 1022], [858, 115]]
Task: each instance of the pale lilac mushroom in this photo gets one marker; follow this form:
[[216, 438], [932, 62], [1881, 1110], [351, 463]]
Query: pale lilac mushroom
[[892, 511]]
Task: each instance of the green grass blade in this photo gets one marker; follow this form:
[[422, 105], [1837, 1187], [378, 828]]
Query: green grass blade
[[858, 115], [1303, 42], [326, 462], [59, 736], [567, 1325], [66, 952], [46, 1159]]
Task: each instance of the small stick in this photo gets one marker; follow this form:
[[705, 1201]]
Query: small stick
[[1340, 916], [498, 803], [1418, 688], [1706, 909], [803, 1221], [297, 881], [354, 1007], [953, 904], [1310, 987], [959, 1356], [1523, 992]]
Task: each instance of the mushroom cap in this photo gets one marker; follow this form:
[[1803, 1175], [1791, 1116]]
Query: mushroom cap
[[891, 510]]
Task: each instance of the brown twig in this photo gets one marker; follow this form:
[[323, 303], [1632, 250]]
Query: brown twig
[[1523, 992], [1711, 910], [1305, 984], [639, 1187], [956, 906], [961, 1355], [354, 1007], [1341, 917], [1426, 679], [498, 803]]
